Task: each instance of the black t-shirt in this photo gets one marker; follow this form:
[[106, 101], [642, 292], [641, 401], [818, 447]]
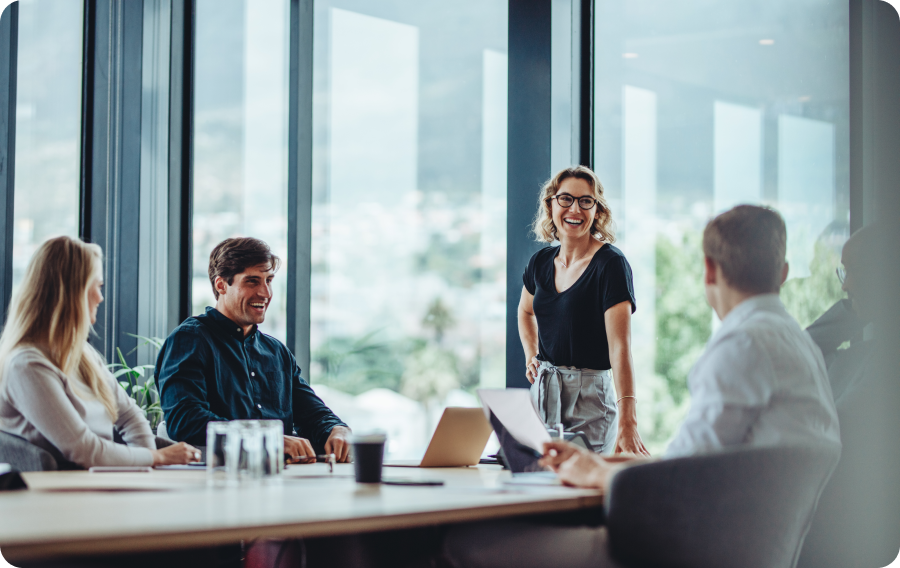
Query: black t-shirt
[[571, 328]]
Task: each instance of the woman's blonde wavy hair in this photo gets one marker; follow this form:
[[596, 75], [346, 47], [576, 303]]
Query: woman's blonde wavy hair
[[603, 228], [50, 311]]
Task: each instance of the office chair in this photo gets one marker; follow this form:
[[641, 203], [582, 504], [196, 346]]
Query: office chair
[[22, 455], [742, 508]]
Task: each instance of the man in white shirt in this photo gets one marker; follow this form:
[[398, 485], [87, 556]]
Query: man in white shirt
[[760, 382]]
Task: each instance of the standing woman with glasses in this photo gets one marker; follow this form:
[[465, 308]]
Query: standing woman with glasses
[[575, 317]]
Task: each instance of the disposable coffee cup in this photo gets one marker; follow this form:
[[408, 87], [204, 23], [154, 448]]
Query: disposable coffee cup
[[368, 455]]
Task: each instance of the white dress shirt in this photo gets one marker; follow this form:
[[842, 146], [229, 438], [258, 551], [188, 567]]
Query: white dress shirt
[[760, 382]]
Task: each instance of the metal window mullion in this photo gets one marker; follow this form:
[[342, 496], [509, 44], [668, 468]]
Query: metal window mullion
[[9, 41], [111, 171], [154, 202], [300, 180], [528, 157], [181, 111], [586, 82]]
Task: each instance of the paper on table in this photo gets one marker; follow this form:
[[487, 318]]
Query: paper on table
[[513, 407]]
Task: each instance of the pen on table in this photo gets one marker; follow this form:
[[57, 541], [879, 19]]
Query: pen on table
[[330, 459]]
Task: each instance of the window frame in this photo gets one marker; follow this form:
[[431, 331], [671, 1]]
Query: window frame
[[9, 42], [111, 165]]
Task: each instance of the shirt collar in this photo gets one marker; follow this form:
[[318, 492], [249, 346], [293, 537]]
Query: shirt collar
[[228, 326], [739, 313]]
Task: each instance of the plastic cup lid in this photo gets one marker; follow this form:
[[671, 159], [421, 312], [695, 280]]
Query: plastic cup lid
[[368, 438]]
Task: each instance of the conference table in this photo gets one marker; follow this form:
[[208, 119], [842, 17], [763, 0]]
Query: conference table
[[68, 514]]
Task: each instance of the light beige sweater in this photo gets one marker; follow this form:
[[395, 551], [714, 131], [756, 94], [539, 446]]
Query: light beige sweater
[[61, 415]]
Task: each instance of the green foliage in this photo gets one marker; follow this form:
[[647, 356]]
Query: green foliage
[[450, 260], [438, 318], [416, 367], [355, 365], [683, 318], [144, 392], [429, 374]]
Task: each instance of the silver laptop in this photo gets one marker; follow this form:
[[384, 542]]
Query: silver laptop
[[459, 440]]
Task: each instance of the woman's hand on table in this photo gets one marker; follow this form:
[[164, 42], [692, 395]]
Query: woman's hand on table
[[176, 454], [628, 441]]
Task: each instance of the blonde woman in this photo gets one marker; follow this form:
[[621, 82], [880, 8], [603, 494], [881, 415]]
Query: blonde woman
[[55, 390], [575, 316]]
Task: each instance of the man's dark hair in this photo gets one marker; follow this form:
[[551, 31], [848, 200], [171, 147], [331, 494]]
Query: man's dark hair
[[749, 244], [235, 255]]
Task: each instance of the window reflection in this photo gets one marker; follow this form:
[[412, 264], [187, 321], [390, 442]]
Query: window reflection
[[240, 138], [409, 210], [700, 107], [48, 126]]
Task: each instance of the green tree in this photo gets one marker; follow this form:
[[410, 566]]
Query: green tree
[[683, 317], [355, 365], [438, 318]]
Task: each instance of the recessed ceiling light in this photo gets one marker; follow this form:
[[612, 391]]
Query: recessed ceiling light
[[767, 42], [805, 99], [629, 55]]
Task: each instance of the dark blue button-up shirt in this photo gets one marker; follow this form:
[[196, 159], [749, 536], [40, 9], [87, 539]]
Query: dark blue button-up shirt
[[208, 371]]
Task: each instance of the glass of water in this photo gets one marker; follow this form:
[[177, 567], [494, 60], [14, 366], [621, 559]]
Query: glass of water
[[220, 441], [244, 451], [273, 448]]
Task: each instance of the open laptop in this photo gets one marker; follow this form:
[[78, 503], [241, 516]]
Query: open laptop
[[521, 433], [459, 439]]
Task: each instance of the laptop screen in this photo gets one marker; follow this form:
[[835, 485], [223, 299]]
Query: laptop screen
[[519, 457]]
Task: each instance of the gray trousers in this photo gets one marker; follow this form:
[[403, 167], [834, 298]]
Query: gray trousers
[[520, 544], [583, 400]]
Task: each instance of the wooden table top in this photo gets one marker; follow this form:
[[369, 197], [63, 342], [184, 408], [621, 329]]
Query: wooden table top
[[71, 513]]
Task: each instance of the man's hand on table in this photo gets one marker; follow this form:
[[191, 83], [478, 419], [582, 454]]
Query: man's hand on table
[[574, 465], [579, 467], [338, 443], [299, 450]]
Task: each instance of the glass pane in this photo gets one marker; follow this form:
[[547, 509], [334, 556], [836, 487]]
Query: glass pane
[[409, 210], [240, 138], [48, 126], [699, 107]]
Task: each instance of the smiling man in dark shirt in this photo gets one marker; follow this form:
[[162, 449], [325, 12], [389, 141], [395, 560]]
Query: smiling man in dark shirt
[[218, 366]]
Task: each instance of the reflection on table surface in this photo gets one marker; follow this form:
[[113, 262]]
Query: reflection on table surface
[[79, 512]]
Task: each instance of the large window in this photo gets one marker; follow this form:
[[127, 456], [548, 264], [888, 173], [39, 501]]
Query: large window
[[240, 138], [409, 210], [48, 126], [700, 107]]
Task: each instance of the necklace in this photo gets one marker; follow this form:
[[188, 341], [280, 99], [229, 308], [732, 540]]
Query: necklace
[[563, 262]]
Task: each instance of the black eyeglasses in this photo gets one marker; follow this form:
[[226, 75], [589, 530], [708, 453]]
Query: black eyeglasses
[[841, 274], [565, 200]]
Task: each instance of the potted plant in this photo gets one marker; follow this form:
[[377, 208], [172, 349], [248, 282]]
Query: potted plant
[[144, 393]]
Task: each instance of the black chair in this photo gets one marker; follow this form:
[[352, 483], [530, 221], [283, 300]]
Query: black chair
[[746, 508], [22, 455], [857, 523]]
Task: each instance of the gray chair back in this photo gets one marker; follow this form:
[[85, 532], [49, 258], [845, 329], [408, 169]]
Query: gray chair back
[[743, 508], [22, 455]]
